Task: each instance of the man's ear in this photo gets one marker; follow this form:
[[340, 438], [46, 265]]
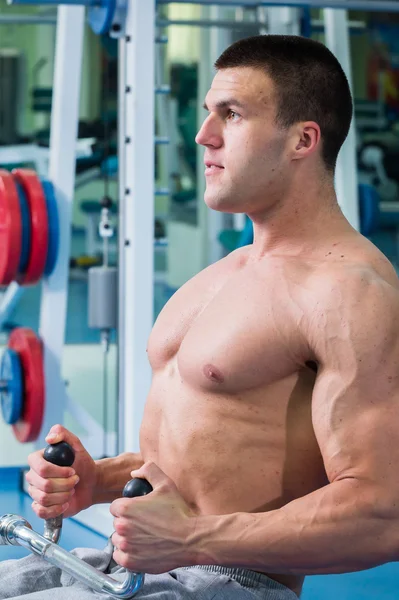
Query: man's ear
[[308, 138]]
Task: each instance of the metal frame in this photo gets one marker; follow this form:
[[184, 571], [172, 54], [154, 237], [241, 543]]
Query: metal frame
[[136, 241], [58, 164], [63, 136], [27, 20], [213, 42], [368, 5], [222, 24], [136, 231], [61, 172], [241, 25]]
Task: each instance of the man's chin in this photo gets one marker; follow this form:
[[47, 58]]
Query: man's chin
[[219, 204]]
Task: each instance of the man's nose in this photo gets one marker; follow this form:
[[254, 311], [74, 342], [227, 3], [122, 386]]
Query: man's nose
[[209, 134]]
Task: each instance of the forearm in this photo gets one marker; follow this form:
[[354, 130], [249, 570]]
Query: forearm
[[113, 474], [336, 529]]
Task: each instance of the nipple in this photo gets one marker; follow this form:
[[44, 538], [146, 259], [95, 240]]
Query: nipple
[[213, 374]]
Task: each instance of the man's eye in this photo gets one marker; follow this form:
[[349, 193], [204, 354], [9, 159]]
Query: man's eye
[[232, 115]]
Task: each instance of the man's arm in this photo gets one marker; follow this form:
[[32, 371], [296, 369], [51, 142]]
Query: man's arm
[[353, 522], [113, 474]]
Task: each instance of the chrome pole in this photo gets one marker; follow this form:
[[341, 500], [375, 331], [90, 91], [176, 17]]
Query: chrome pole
[[16, 531]]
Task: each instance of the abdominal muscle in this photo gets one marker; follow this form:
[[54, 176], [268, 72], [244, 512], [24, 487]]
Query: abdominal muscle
[[250, 452]]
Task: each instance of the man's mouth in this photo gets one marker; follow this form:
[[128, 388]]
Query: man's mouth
[[212, 168]]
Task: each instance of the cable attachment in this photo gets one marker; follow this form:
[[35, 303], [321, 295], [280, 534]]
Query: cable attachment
[[105, 228]]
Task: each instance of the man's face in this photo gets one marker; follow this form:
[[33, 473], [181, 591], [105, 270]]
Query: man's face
[[245, 152]]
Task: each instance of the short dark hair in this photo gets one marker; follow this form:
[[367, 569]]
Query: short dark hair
[[310, 84]]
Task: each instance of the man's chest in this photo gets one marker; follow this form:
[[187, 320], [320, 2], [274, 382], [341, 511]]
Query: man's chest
[[247, 334]]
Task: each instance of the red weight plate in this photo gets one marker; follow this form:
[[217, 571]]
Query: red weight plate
[[29, 348], [39, 225], [10, 229]]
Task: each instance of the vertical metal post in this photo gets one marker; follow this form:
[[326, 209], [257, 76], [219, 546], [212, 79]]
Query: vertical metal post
[[45, 44], [136, 242], [213, 41], [204, 79], [64, 125], [162, 107], [220, 40], [346, 180]]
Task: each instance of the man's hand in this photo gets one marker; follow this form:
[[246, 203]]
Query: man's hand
[[61, 490], [153, 532]]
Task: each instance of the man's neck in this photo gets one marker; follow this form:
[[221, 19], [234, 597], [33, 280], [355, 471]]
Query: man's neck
[[298, 223]]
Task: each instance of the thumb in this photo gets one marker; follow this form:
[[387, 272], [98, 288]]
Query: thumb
[[152, 473], [58, 433]]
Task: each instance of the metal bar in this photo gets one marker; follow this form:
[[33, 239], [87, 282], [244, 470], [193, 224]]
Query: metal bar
[[9, 301], [162, 141], [162, 89], [15, 531], [161, 39], [214, 221], [353, 25], [205, 76], [20, 153], [27, 20], [229, 24], [63, 136], [369, 5], [162, 116], [52, 2], [48, 20], [136, 112], [162, 192], [222, 24]]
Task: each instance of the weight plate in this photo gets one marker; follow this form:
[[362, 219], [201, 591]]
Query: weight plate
[[10, 229], [39, 225], [53, 226], [26, 231], [100, 16], [29, 348]]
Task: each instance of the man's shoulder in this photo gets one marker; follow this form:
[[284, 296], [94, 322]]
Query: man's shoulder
[[353, 302], [349, 281]]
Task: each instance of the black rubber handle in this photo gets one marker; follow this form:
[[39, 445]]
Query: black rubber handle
[[137, 487], [61, 454]]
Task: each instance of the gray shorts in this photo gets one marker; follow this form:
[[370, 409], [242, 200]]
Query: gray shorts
[[32, 578]]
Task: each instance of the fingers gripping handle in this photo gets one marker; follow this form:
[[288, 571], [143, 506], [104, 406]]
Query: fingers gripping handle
[[133, 489], [63, 455]]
